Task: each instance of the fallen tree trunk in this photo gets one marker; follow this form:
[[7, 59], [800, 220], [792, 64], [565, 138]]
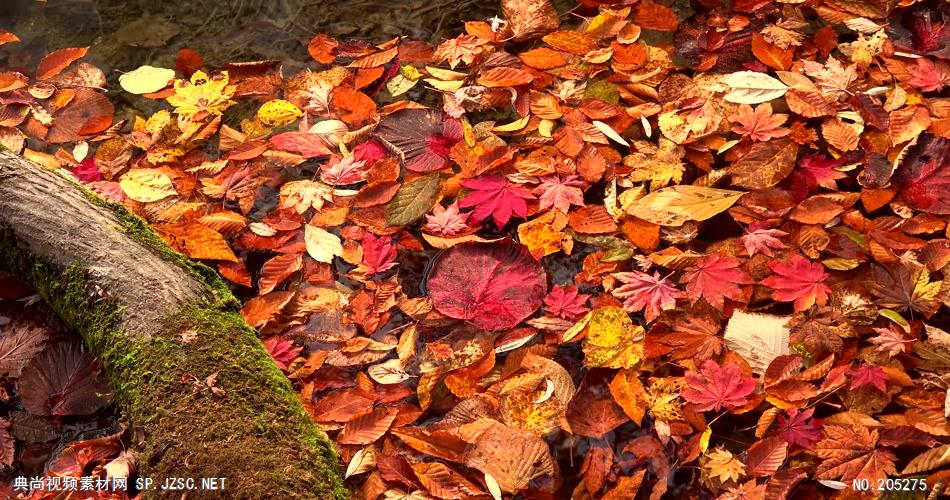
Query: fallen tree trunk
[[159, 323]]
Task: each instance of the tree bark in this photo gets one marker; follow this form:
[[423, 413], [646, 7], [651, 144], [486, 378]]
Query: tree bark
[[161, 326]]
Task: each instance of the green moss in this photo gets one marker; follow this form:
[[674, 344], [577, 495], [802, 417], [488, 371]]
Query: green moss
[[140, 231], [259, 420]]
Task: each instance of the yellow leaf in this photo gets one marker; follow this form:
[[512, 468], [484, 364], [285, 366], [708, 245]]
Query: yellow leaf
[[612, 340], [146, 185], [321, 244], [278, 113], [146, 79], [674, 205], [513, 126], [704, 439], [202, 94]]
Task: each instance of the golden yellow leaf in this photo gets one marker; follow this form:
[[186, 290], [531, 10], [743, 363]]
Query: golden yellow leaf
[[723, 465], [278, 113], [146, 79], [147, 185], [674, 205], [659, 165], [612, 340], [202, 94]]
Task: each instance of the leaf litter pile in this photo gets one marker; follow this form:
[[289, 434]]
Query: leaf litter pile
[[630, 254]]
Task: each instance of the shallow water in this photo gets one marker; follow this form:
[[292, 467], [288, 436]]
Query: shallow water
[[124, 34]]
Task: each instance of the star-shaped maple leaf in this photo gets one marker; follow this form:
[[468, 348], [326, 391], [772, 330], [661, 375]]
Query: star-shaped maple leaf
[[446, 221], [759, 124], [872, 375], [891, 341], [819, 170], [494, 195], [566, 302], [716, 387], [560, 193], [798, 280], [930, 76], [799, 428], [651, 294], [715, 278], [758, 239]]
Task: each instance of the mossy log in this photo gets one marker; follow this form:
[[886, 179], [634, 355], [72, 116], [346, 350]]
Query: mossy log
[[160, 326]]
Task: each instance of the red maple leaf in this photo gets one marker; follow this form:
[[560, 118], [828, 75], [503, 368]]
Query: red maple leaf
[[758, 239], [494, 195], [651, 294], [929, 76], [282, 351], [565, 302], [560, 193], [716, 387], [798, 280], [379, 254], [799, 429], [715, 278], [868, 375], [819, 171]]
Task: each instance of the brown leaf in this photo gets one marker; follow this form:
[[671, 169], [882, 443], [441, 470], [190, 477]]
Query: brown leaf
[[368, 427], [443, 482], [511, 455], [765, 165], [529, 19]]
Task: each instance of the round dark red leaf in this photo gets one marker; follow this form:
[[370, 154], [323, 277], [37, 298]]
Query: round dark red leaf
[[493, 285]]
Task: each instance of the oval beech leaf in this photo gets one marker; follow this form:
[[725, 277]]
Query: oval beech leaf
[[147, 185], [146, 79], [493, 285], [56, 61], [21, 342], [322, 245], [368, 427], [674, 205], [512, 456], [7, 444], [765, 165], [766, 456], [362, 461], [413, 200], [443, 482], [60, 381], [752, 87]]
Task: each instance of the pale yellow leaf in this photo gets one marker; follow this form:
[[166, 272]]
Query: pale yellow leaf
[[752, 87], [147, 185], [759, 338], [146, 79], [321, 244]]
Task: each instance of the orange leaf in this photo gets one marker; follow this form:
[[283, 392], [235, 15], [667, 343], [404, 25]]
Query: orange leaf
[[323, 49], [766, 456], [95, 125], [839, 134], [277, 269], [56, 61], [7, 37], [571, 41], [352, 106], [501, 76], [542, 58], [368, 427], [654, 16], [771, 55], [188, 61], [377, 59]]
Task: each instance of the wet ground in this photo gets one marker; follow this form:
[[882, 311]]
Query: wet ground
[[124, 34]]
